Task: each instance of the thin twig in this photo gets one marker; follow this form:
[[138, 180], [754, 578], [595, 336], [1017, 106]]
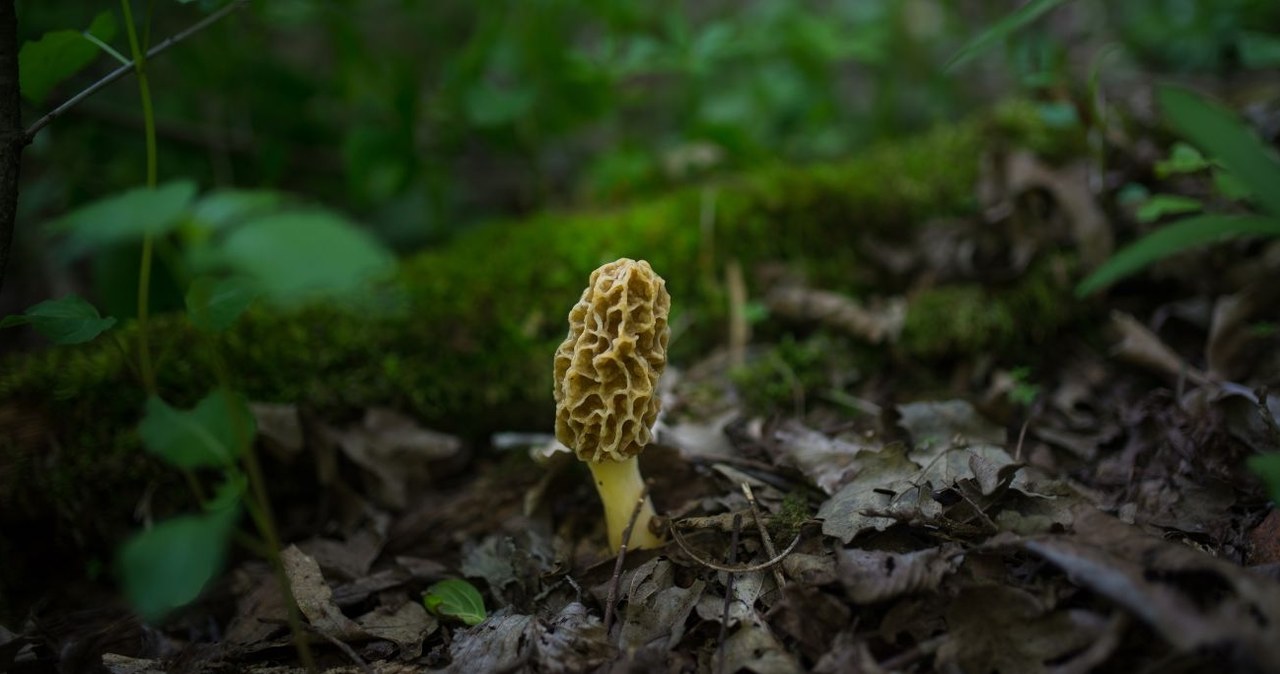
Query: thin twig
[[1022, 435], [348, 650], [126, 68], [675, 535], [914, 653], [728, 591], [616, 580], [764, 533]]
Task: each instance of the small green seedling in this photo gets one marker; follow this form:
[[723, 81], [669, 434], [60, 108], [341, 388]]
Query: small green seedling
[[1267, 467], [455, 598]]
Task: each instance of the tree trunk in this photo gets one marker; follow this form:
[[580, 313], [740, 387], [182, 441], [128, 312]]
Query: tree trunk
[[12, 136]]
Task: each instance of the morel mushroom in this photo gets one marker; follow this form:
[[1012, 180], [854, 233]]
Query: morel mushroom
[[606, 378]]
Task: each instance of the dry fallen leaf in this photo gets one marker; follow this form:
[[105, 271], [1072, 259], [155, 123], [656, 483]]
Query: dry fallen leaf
[[405, 626], [998, 628], [657, 608], [315, 597], [572, 641], [397, 453], [1189, 598], [871, 576]]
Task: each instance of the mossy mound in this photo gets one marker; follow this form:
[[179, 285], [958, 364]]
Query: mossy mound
[[472, 351]]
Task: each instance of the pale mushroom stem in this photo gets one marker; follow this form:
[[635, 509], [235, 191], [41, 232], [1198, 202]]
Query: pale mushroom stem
[[620, 486]]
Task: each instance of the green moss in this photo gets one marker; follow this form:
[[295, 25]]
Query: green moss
[[970, 318], [1027, 122], [795, 369], [792, 514]]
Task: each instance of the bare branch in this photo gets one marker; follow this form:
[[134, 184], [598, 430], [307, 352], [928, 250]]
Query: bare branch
[[128, 67]]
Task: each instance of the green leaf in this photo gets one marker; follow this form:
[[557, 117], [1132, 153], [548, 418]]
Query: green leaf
[[1132, 194], [298, 256], [1229, 187], [59, 54], [224, 208], [1002, 29], [455, 598], [70, 320], [214, 304], [1182, 159], [126, 217], [1175, 238], [1221, 134], [488, 105], [1259, 50], [213, 434], [1160, 205], [168, 565], [1267, 467]]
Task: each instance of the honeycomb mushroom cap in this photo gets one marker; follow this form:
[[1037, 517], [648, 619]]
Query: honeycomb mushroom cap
[[607, 369]]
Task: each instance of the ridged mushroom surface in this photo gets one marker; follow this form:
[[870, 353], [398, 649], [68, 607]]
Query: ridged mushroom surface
[[607, 369]]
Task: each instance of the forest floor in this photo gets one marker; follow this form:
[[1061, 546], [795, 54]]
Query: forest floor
[[1089, 509]]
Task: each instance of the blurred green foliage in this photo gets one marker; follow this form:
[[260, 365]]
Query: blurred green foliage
[[421, 119]]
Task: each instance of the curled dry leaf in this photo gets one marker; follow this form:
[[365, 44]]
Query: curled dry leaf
[[882, 486], [753, 647], [1140, 346], [1192, 600], [397, 454], [1236, 349], [747, 588], [572, 641], [811, 617], [1069, 186], [657, 607], [315, 598], [998, 628], [871, 576], [876, 324], [279, 425], [405, 626], [829, 462]]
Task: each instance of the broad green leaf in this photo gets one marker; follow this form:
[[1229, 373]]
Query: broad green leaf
[[1003, 28], [214, 304], [127, 216], [168, 565], [1132, 194], [1229, 187], [455, 598], [1222, 135], [1259, 50], [212, 434], [1267, 467], [1058, 115], [1174, 238], [488, 105], [59, 54], [1182, 159], [1160, 205], [223, 208], [70, 320], [298, 256]]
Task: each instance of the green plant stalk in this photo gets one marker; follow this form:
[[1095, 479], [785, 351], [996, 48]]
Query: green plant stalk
[[259, 506], [260, 510], [148, 244]]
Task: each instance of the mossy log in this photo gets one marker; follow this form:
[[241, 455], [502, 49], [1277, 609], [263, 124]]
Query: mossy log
[[472, 352]]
